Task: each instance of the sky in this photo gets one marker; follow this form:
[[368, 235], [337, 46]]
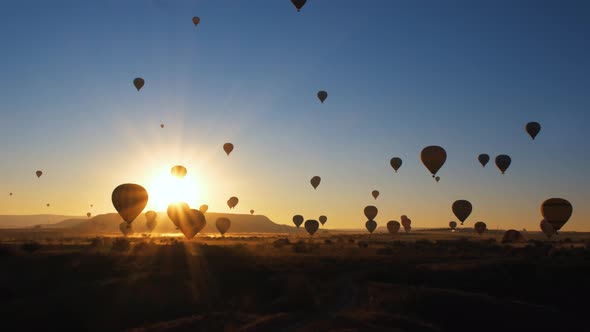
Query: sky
[[401, 75]]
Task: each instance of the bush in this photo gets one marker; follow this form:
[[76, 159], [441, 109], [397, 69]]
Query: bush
[[96, 242], [121, 244], [31, 246]]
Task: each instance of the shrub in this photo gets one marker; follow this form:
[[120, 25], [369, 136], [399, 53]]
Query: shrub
[[30, 246], [121, 244]]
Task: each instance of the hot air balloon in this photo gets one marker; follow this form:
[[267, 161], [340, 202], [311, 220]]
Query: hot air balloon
[[297, 220], [433, 157], [547, 229], [162, 125], [191, 222], [125, 228], [512, 236], [375, 194], [393, 226], [323, 220], [407, 223], [88, 214], [203, 208], [222, 225], [503, 162], [39, 173], [396, 163], [138, 82], [129, 200], [196, 20], [533, 129], [484, 159], [298, 4], [462, 209], [175, 211], [315, 181], [150, 218], [10, 194], [371, 225], [311, 226], [322, 95], [557, 211], [480, 227], [371, 212], [91, 205], [437, 178], [453, 225], [232, 202], [48, 205], [228, 148], [178, 171], [251, 211]]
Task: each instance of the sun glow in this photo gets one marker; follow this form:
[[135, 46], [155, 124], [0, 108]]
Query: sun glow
[[165, 189]]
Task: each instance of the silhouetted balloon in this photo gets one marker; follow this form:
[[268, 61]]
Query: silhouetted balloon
[[178, 171], [162, 125], [323, 220], [406, 223], [125, 228], [322, 95], [453, 225], [396, 163], [91, 205], [228, 148], [371, 226], [547, 229], [10, 194], [175, 210], [433, 157], [251, 211], [533, 129], [462, 209], [298, 4], [203, 208], [480, 227], [437, 178], [503, 162], [88, 214], [129, 200], [557, 211], [48, 205], [39, 173], [375, 194], [512, 236], [393, 226], [150, 218], [196, 20], [232, 202], [484, 159], [138, 82], [297, 220], [222, 225], [311, 226], [191, 222], [315, 181], [371, 212]]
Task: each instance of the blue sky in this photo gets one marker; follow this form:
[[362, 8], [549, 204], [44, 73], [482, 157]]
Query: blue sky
[[401, 75]]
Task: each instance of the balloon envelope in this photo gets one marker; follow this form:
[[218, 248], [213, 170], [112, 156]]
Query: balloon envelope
[[222, 225], [453, 225], [311, 226], [228, 148], [178, 171], [39, 173], [371, 212], [462, 209], [175, 210], [371, 225], [196, 20], [125, 228], [298, 220], [547, 229], [480, 227], [151, 222], [88, 214], [203, 208], [433, 157], [437, 178], [323, 220], [484, 159], [191, 222], [232, 202], [503, 162], [298, 4], [138, 83], [322, 95], [512, 236], [129, 200], [396, 163], [557, 211], [251, 211], [533, 129], [393, 226], [315, 181], [375, 194]]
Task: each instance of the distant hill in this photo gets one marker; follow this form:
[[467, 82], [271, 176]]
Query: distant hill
[[32, 220], [109, 223]]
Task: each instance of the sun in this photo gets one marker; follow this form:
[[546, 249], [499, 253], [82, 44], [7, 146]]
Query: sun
[[165, 189]]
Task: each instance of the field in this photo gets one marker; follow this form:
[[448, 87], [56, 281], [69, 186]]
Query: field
[[427, 281]]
